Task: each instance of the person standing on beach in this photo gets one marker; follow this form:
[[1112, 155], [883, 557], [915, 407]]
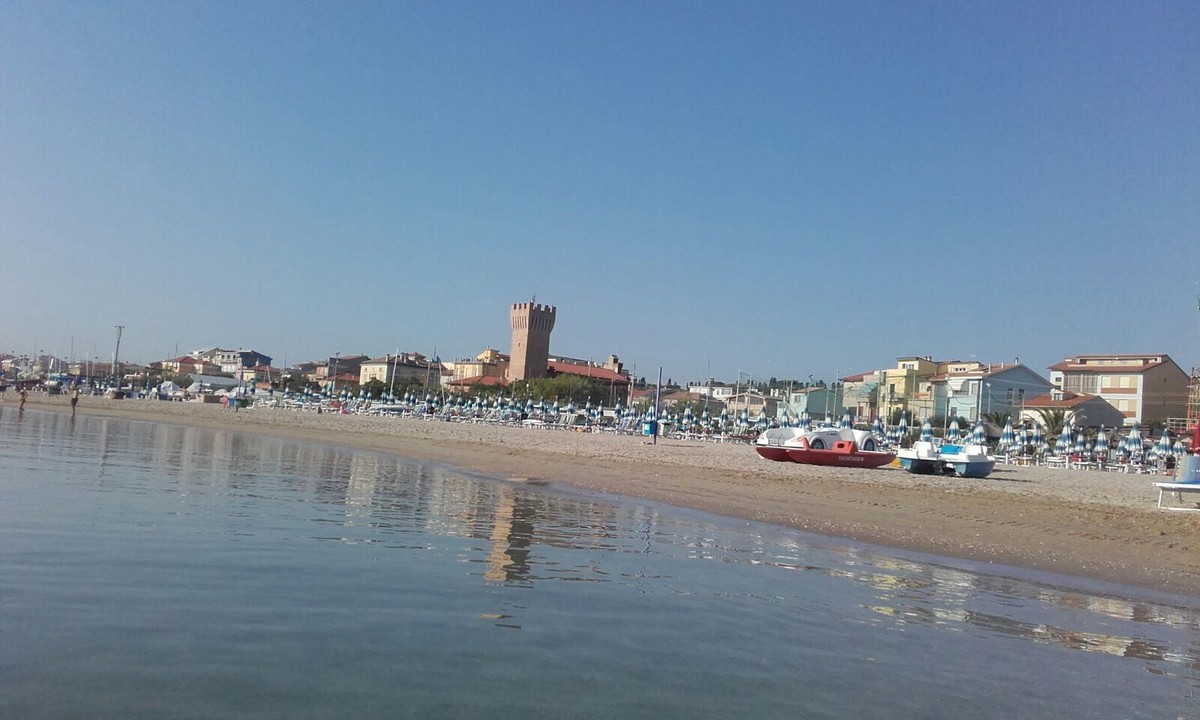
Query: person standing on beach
[[23, 394], [74, 399]]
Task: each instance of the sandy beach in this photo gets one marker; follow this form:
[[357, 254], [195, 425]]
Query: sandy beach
[[1090, 524]]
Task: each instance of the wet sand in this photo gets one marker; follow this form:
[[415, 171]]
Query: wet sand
[[1090, 524]]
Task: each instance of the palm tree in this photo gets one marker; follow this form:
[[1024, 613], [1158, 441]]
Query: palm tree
[[1053, 419]]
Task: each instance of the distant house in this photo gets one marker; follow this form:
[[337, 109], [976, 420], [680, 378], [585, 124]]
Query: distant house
[[1003, 388], [1087, 411], [1144, 388], [189, 365], [231, 361], [401, 368], [611, 373]]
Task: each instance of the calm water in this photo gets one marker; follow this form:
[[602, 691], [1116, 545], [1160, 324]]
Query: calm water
[[152, 571]]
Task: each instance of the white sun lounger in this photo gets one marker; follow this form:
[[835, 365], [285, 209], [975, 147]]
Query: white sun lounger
[[1178, 489]]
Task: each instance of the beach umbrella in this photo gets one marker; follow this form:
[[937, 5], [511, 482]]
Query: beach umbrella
[[1041, 444], [1101, 446], [723, 418], [762, 418], [953, 432], [1133, 441], [877, 427], [845, 423], [1007, 436], [1178, 448], [902, 428], [1164, 445], [1080, 446], [979, 435], [1065, 438], [744, 418], [927, 430]]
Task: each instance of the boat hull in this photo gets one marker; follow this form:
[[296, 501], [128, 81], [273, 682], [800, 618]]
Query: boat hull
[[854, 458], [773, 452], [973, 469], [921, 466]]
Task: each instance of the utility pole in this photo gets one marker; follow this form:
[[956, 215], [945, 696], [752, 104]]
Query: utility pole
[[116, 355]]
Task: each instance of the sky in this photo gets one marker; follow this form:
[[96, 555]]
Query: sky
[[718, 189]]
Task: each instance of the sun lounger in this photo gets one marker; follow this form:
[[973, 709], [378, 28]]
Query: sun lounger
[[1177, 490]]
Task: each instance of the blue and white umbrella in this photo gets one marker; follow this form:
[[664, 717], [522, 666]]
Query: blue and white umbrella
[[1065, 438], [902, 428], [1164, 445], [877, 428], [1007, 438], [953, 432], [1178, 449], [1020, 439], [845, 423], [1040, 443], [1080, 446], [979, 435], [762, 419], [1133, 442], [1101, 447], [927, 430], [744, 418], [805, 420]]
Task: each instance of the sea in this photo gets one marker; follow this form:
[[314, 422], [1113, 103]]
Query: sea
[[160, 571]]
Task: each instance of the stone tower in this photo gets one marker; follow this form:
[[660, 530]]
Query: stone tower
[[531, 326]]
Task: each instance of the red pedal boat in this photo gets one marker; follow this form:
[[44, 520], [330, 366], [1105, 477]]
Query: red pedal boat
[[825, 446]]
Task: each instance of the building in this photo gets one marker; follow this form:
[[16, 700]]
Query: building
[[975, 390], [908, 388], [820, 402], [860, 394], [531, 327], [190, 365], [611, 373], [487, 364], [231, 361], [403, 368], [1084, 411], [1149, 389]]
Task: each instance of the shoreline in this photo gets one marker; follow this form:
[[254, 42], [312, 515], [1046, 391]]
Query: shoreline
[[1089, 524]]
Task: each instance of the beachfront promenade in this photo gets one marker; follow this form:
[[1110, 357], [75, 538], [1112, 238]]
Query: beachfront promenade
[[1103, 525]]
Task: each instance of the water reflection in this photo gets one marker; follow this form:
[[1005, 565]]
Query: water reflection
[[521, 536]]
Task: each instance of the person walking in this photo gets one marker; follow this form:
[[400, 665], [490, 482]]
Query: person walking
[[24, 395], [74, 399]]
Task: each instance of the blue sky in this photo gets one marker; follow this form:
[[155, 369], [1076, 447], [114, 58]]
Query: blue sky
[[776, 188]]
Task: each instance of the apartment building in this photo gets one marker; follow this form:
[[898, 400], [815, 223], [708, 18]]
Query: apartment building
[[1146, 389]]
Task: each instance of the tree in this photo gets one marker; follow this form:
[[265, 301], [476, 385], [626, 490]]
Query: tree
[[997, 418], [1053, 419]]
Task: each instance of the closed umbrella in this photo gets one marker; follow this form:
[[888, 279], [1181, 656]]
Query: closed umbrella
[[1020, 439], [1007, 438], [1133, 442], [979, 435], [845, 423], [1063, 446], [1041, 444], [1164, 445], [1178, 449], [927, 430], [1101, 447], [953, 432], [877, 428], [1080, 446], [902, 429]]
